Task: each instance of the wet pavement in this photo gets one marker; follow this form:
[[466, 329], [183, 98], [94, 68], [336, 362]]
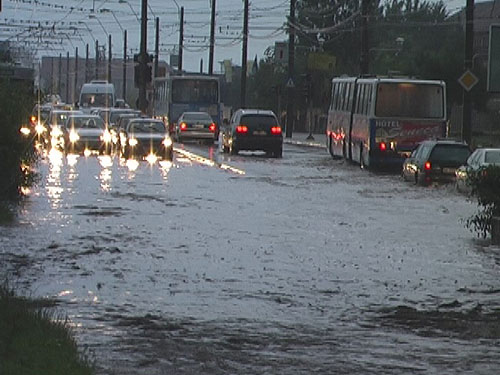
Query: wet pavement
[[218, 264]]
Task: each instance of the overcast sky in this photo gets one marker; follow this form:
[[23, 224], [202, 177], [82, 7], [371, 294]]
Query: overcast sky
[[67, 24]]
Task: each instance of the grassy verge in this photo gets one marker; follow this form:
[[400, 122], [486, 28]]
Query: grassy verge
[[33, 342]]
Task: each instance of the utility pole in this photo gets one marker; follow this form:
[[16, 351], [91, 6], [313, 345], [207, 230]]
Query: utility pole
[[96, 59], [364, 55], [212, 40], [157, 45], [181, 39], [75, 85], [87, 63], [124, 86], [143, 58], [244, 57], [290, 107], [469, 52], [67, 77], [110, 59], [60, 76]]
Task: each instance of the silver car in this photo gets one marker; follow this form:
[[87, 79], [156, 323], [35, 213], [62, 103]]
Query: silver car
[[87, 132], [196, 125], [479, 159]]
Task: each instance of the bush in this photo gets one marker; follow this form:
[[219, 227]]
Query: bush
[[485, 184], [16, 152], [33, 340]]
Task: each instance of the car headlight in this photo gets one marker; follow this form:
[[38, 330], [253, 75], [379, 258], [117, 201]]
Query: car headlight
[[40, 129], [167, 142], [56, 132], [73, 136], [106, 137], [132, 142]]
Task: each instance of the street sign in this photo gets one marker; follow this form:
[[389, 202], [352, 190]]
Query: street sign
[[468, 80], [290, 84]]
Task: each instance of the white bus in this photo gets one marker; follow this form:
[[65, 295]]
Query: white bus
[[377, 122], [97, 94], [176, 94]]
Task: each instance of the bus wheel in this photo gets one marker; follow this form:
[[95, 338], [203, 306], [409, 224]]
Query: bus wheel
[[344, 149]]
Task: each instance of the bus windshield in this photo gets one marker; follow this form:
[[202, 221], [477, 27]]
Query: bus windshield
[[195, 91], [409, 100]]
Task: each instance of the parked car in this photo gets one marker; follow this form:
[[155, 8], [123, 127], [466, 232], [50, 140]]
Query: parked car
[[435, 161], [253, 129], [479, 159], [196, 125], [87, 132], [144, 137]]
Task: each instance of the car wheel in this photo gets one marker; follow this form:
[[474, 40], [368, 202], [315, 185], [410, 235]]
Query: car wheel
[[233, 150], [416, 178], [278, 153], [361, 159]]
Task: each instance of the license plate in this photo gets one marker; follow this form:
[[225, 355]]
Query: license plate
[[259, 132], [199, 126], [449, 170]]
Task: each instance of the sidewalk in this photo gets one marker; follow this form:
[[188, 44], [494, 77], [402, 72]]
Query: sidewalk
[[300, 139]]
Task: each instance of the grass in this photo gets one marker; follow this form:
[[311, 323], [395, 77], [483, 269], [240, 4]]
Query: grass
[[34, 342]]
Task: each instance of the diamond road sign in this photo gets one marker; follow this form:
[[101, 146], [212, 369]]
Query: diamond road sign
[[468, 80]]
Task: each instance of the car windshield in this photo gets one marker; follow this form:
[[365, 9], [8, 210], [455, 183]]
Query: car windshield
[[450, 153], [492, 157], [85, 122], [59, 118], [255, 121], [147, 127], [96, 100], [196, 117], [115, 115]]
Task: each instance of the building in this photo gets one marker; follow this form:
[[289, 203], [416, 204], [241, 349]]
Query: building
[[65, 75]]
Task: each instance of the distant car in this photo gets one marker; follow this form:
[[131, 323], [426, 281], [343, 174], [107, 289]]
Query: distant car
[[87, 132], [196, 125], [144, 137], [435, 161], [253, 129], [121, 103], [479, 159], [56, 124]]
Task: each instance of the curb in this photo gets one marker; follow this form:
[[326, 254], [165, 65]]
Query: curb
[[303, 143]]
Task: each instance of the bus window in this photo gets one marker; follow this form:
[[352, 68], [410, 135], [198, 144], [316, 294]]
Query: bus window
[[409, 100], [368, 99]]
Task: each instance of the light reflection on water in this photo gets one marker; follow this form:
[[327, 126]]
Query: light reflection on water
[[54, 188], [105, 176]]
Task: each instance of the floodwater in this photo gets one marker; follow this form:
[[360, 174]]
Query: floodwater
[[218, 264]]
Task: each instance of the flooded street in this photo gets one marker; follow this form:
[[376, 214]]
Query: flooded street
[[218, 264]]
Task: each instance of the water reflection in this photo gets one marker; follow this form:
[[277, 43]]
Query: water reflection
[[54, 188], [106, 163], [165, 166]]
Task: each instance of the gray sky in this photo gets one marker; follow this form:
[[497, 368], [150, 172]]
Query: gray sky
[[57, 26]]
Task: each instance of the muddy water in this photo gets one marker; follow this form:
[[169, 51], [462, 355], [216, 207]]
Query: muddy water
[[299, 266]]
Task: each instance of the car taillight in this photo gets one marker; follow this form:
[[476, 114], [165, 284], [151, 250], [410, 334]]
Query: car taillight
[[212, 127], [276, 130], [427, 166], [183, 126], [382, 146], [242, 129]]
